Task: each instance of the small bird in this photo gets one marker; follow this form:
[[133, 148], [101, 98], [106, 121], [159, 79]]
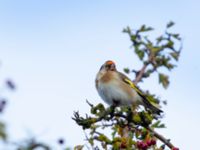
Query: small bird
[[117, 89]]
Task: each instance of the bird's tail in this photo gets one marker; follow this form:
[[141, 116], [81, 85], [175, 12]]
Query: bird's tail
[[153, 108], [150, 106]]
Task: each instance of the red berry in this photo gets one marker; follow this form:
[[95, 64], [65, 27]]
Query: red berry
[[144, 146], [175, 148], [139, 144], [123, 145], [153, 142], [149, 142]]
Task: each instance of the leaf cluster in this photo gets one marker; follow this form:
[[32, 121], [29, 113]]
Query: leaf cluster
[[119, 120], [162, 52]]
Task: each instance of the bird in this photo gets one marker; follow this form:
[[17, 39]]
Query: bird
[[116, 89]]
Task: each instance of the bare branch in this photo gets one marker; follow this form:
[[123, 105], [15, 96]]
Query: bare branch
[[140, 74]]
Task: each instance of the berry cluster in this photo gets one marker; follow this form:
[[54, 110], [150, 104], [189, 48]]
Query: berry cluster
[[144, 145]]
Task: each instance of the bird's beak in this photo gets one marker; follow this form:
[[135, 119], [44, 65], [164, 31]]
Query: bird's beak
[[112, 67]]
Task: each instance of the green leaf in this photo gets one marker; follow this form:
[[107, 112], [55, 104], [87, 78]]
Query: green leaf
[[175, 55], [176, 36], [127, 30], [104, 138], [164, 80], [170, 24], [142, 28], [98, 109], [145, 29], [161, 126], [159, 39], [127, 70], [158, 124], [140, 53], [133, 37], [149, 29], [91, 141], [137, 119], [170, 44], [170, 66]]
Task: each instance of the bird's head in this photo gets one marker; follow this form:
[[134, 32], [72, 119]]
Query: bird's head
[[108, 66]]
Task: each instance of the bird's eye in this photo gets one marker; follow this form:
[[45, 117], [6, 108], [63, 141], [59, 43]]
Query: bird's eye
[[107, 66]]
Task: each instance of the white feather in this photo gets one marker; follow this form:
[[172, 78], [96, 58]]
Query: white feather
[[113, 91]]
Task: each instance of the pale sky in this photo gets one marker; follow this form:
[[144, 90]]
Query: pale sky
[[53, 50]]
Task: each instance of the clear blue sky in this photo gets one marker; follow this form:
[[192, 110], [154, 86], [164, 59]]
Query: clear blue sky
[[53, 49]]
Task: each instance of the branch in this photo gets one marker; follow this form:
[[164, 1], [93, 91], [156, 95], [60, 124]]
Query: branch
[[140, 74], [161, 138], [110, 114]]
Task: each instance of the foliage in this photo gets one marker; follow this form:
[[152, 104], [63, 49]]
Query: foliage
[[154, 54], [130, 128]]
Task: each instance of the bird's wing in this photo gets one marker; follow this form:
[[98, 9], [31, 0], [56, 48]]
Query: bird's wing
[[145, 99], [130, 83]]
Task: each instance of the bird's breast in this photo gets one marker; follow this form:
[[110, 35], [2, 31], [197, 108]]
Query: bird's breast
[[116, 91]]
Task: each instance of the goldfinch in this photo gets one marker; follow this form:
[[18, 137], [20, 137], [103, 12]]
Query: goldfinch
[[117, 89]]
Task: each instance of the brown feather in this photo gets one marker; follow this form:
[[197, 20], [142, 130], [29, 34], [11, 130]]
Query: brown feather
[[107, 77]]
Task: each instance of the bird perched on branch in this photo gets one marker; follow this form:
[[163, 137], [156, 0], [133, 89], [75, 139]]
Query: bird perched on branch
[[117, 89]]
